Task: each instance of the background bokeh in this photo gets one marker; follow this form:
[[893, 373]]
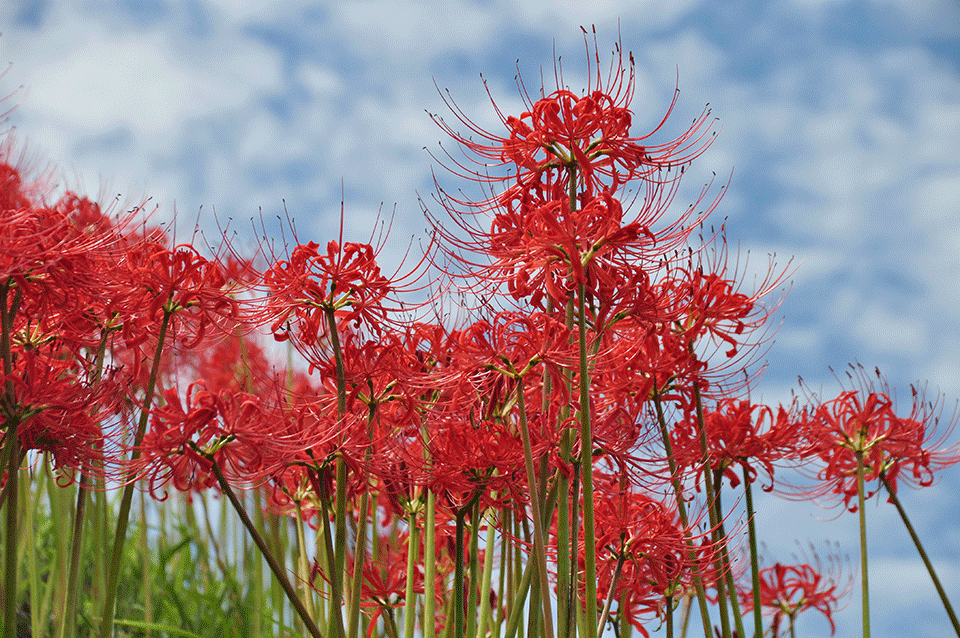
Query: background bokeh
[[839, 130]]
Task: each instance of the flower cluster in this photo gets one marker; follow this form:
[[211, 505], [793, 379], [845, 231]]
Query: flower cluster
[[572, 433]]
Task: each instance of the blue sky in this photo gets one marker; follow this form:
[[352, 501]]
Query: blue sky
[[839, 120]]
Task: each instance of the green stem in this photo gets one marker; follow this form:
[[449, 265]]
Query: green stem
[[303, 566], [668, 602], [725, 556], [586, 470], [123, 516], [335, 619], [613, 587], [275, 567], [711, 494], [430, 568], [754, 556], [474, 558], [923, 554], [68, 624], [340, 502], [864, 581], [359, 559], [682, 511], [410, 599], [11, 452], [539, 551], [485, 615], [458, 601]]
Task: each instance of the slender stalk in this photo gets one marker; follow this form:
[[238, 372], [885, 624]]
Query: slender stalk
[[458, 584], [359, 558], [517, 600], [485, 619], [430, 568], [11, 452], [682, 511], [539, 550], [574, 611], [613, 587], [714, 514], [474, 558], [754, 556], [923, 554], [506, 572], [725, 557], [458, 602], [144, 549], [68, 623], [864, 581], [303, 566], [340, 502], [335, 620], [123, 516], [275, 567], [668, 610], [586, 470], [27, 504], [410, 599]]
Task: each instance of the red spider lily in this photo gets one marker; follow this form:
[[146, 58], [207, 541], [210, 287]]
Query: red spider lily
[[788, 590], [723, 325], [57, 406], [306, 285], [740, 433], [193, 290], [562, 223], [591, 131], [345, 280], [645, 537], [245, 437], [908, 449]]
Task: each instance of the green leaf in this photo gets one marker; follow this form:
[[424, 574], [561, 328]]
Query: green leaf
[[173, 631]]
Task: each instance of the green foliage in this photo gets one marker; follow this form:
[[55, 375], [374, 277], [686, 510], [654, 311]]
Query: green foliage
[[191, 593]]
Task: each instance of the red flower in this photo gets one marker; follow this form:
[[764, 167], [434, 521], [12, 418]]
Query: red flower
[[787, 590], [591, 131], [247, 437], [560, 222], [646, 534], [739, 433], [909, 448]]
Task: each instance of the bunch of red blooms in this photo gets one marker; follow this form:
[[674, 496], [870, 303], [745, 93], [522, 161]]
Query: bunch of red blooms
[[556, 457]]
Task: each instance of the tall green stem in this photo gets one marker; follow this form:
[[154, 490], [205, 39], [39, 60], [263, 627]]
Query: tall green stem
[[539, 551], [864, 581], [303, 566], [340, 501], [485, 616], [123, 516], [359, 559], [586, 470], [923, 554], [714, 514], [682, 511], [754, 556], [11, 452], [278, 571], [68, 623], [725, 557]]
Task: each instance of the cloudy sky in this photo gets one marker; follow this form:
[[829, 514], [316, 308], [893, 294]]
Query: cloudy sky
[[839, 122]]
